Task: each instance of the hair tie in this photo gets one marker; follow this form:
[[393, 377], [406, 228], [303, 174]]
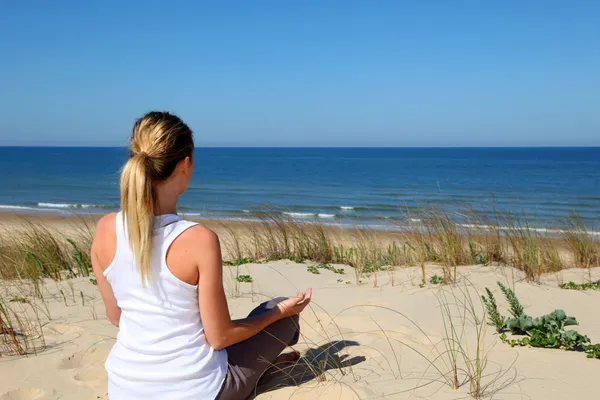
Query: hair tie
[[144, 154]]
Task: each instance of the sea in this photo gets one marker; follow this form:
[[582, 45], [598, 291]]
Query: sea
[[376, 187]]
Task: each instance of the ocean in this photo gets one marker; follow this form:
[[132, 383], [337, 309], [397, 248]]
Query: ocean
[[372, 186]]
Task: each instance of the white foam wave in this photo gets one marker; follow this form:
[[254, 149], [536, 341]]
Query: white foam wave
[[346, 208], [11, 207], [326, 215], [299, 215], [57, 205], [246, 211], [68, 205], [190, 214], [541, 230]]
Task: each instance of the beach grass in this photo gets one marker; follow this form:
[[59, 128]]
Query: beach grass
[[32, 250], [35, 251]]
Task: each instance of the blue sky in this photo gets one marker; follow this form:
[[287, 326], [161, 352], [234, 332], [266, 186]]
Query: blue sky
[[308, 73]]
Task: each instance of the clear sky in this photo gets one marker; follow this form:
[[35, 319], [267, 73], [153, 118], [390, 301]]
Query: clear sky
[[308, 73]]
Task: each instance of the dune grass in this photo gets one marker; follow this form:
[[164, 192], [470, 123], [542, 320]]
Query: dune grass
[[35, 251], [432, 236], [582, 243]]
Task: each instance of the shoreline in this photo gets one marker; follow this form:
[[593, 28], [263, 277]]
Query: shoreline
[[394, 226]]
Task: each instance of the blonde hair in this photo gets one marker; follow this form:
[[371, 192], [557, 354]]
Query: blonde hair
[[159, 141]]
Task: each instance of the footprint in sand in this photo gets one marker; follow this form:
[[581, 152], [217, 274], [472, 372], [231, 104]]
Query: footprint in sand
[[94, 376], [95, 355], [29, 394]]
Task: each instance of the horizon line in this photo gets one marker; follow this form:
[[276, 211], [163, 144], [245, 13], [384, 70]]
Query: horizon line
[[324, 147]]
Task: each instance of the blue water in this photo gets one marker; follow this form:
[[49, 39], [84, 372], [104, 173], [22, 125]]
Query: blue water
[[368, 185]]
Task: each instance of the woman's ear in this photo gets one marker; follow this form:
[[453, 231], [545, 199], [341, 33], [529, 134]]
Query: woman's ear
[[189, 164], [184, 166]]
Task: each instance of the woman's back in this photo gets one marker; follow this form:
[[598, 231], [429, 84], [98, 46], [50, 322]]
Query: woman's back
[[161, 350], [161, 281]]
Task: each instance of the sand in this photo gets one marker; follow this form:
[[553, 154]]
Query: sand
[[359, 339]]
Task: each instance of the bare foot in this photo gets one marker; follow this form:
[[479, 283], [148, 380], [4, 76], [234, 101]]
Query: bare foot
[[291, 357]]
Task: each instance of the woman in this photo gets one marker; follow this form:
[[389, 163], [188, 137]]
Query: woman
[[161, 281]]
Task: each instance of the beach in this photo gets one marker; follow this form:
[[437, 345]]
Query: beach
[[380, 332], [420, 180]]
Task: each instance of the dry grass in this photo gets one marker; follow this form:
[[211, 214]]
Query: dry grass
[[34, 251], [582, 243], [529, 249], [434, 236]]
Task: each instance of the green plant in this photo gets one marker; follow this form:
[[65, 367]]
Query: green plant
[[593, 351], [93, 281], [516, 309], [332, 268], [81, 259], [239, 261], [244, 278], [547, 331], [494, 316], [436, 280], [478, 257], [581, 286], [313, 270]]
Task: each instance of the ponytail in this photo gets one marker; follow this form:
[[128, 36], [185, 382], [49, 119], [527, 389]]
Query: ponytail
[[137, 205], [158, 142]]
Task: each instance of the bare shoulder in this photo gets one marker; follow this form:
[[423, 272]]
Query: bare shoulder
[[104, 245], [105, 231], [196, 247], [201, 237], [106, 224]]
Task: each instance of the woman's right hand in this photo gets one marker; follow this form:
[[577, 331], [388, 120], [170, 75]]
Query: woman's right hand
[[294, 305]]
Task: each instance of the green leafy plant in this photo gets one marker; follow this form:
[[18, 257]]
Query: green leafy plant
[[332, 268], [244, 278], [295, 259], [494, 316], [581, 286], [313, 270], [547, 331], [436, 280], [516, 309], [593, 351], [93, 281], [239, 261]]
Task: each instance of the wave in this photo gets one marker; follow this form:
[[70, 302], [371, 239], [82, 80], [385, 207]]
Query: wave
[[299, 214], [346, 208], [11, 207], [191, 214], [321, 215], [68, 205], [521, 229]]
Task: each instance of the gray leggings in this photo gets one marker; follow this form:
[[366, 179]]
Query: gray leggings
[[248, 360]]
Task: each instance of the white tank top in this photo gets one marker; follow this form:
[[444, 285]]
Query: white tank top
[[161, 351]]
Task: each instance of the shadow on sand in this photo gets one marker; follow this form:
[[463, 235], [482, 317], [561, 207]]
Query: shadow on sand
[[311, 366]]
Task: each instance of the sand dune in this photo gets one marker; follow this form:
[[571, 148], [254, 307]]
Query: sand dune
[[359, 341]]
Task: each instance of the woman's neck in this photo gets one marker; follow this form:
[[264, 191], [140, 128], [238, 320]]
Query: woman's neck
[[165, 200]]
